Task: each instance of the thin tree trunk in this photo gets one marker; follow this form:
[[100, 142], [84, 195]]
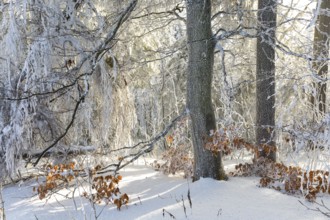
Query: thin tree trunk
[[199, 102], [321, 52], [265, 88], [2, 207]]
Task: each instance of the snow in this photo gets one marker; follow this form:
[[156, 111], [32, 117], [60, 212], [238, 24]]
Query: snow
[[150, 192]]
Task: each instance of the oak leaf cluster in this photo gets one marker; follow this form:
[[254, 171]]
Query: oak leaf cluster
[[278, 176], [105, 188]]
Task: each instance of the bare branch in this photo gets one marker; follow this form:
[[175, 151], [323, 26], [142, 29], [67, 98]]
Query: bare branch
[[174, 12], [322, 205]]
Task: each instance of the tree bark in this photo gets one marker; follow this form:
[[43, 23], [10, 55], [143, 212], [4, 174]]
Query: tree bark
[[321, 53], [199, 102], [265, 77]]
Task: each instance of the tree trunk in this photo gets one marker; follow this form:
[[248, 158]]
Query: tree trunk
[[199, 102], [321, 52], [2, 207], [265, 77]]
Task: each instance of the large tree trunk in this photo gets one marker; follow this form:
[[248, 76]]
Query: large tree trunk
[[265, 118], [321, 52], [199, 102]]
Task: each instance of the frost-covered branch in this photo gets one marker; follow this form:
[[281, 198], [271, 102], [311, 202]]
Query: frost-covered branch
[[98, 54], [175, 11], [54, 60]]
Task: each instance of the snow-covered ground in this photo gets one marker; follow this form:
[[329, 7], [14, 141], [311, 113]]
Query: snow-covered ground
[[151, 192]]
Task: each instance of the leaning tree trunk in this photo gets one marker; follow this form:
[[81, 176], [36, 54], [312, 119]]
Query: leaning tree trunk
[[199, 102], [321, 54], [265, 77]]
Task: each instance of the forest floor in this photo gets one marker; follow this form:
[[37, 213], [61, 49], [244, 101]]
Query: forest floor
[[154, 195]]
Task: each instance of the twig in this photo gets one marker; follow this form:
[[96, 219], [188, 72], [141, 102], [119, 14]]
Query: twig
[[184, 207], [174, 12], [170, 214], [219, 212], [189, 198], [322, 205]]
